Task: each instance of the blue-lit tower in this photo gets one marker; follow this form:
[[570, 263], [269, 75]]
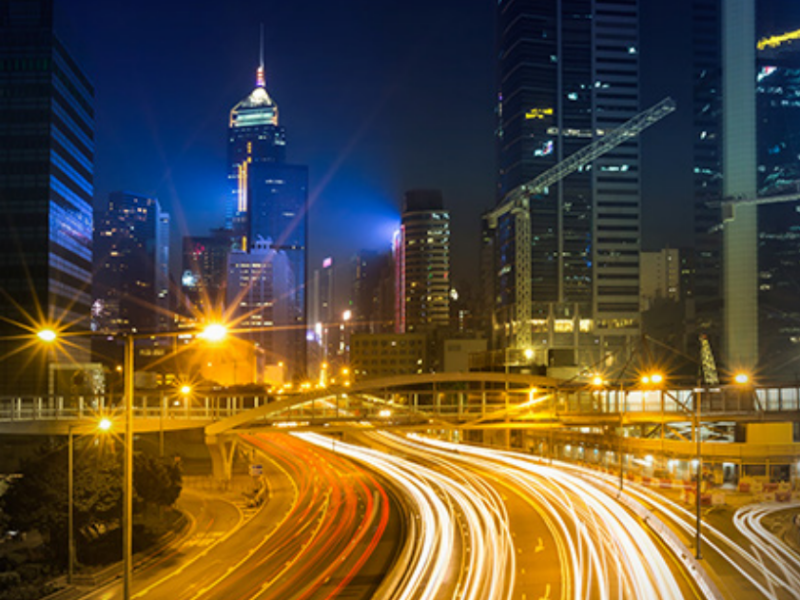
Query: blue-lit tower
[[254, 137], [270, 198], [46, 188]]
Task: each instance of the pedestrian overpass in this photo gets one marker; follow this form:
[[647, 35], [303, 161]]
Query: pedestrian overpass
[[670, 419]]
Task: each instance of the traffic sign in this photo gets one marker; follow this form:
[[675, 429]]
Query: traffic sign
[[256, 470]]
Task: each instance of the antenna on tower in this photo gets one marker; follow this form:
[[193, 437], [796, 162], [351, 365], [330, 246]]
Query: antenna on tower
[[260, 79], [261, 53]]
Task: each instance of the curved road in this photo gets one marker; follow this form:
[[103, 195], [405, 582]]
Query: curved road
[[325, 529]]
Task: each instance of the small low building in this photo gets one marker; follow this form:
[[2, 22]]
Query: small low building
[[385, 354]]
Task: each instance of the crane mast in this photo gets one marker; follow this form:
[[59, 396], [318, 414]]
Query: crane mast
[[517, 203]]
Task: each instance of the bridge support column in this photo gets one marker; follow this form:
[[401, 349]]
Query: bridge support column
[[222, 450]]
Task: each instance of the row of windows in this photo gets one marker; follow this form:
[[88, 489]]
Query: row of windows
[[11, 65]]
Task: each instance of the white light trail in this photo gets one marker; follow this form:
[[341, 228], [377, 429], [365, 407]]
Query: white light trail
[[610, 552], [463, 546]]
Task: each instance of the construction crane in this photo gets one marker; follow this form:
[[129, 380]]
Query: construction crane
[[708, 366], [728, 205], [740, 275], [517, 203]]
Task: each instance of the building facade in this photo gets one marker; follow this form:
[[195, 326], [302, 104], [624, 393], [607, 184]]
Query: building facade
[[205, 271], [254, 136], [661, 276], [46, 188], [778, 113], [422, 263], [131, 265], [387, 354], [260, 291], [568, 72], [270, 198], [373, 292]]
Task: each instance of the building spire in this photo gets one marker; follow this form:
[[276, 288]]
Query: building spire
[[260, 80]]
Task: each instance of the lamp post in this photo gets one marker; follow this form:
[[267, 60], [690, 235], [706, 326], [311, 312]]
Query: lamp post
[[699, 477], [213, 332], [127, 471]]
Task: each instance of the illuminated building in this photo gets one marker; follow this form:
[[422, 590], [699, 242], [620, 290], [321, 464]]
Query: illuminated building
[[205, 268], [567, 73], [254, 136], [704, 289], [261, 286], [131, 258], [321, 348], [778, 113], [46, 188], [277, 197], [270, 197], [422, 263]]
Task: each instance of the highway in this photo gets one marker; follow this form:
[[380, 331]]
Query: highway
[[326, 527], [562, 537], [747, 561], [401, 518]]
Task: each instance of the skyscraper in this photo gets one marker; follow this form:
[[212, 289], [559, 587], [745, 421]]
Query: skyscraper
[[373, 292], [131, 277], [46, 187], [271, 206], [778, 113], [205, 270], [254, 136], [568, 72], [261, 285], [422, 265]]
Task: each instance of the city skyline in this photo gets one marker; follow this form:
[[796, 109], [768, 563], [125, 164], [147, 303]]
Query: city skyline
[[370, 120], [406, 101]]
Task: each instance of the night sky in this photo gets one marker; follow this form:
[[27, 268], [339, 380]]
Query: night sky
[[376, 97]]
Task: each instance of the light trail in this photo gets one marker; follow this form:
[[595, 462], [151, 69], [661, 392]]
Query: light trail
[[748, 520], [338, 515], [609, 552], [770, 583], [461, 540]]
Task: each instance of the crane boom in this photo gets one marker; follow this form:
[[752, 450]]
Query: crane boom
[[517, 203]]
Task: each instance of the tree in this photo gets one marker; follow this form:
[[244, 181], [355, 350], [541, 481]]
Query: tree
[[158, 481], [38, 500]]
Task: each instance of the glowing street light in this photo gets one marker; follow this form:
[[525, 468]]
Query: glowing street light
[[186, 389], [214, 332], [742, 378], [652, 379], [47, 335]]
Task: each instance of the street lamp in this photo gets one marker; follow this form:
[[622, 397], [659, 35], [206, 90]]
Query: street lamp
[[212, 332], [742, 378], [47, 335]]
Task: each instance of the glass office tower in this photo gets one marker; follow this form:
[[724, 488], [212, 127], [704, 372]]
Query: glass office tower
[[568, 72], [46, 187]]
